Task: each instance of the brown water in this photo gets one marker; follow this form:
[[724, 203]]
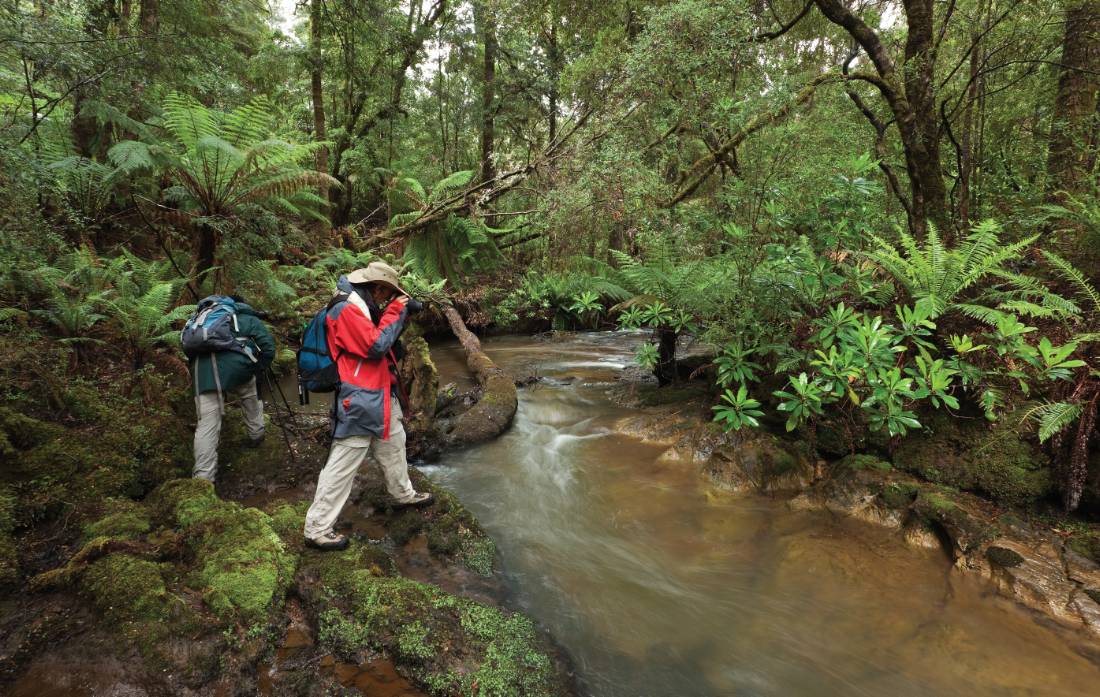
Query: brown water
[[658, 585]]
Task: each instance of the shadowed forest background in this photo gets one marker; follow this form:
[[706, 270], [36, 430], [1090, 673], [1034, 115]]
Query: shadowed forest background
[[871, 225]]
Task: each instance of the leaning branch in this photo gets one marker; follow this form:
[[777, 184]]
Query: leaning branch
[[487, 191], [704, 166]]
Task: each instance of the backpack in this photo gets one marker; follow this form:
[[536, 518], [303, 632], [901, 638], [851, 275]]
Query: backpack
[[214, 328], [317, 370]]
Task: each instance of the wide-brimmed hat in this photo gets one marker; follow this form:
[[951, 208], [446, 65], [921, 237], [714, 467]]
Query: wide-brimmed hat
[[377, 272]]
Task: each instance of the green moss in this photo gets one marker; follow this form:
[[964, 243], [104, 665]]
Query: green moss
[[479, 555], [898, 495], [413, 642], [185, 502], [21, 432], [498, 652], [1087, 544], [288, 521], [1002, 556], [242, 565], [938, 502], [864, 462], [967, 455], [405, 526], [128, 590], [123, 519]]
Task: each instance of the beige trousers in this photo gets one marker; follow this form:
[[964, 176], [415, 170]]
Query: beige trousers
[[209, 429], [344, 459]]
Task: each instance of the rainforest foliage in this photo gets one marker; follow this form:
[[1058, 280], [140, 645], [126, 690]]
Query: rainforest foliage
[[870, 214]]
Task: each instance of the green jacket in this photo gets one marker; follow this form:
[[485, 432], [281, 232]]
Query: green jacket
[[235, 369]]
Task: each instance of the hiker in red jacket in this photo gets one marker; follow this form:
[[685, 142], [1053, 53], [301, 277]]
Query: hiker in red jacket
[[367, 412]]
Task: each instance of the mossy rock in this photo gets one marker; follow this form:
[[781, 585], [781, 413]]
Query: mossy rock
[[1002, 556], [128, 589], [966, 531], [242, 565], [21, 432], [1087, 544], [453, 532], [968, 455], [898, 495], [448, 644], [864, 462], [122, 518]]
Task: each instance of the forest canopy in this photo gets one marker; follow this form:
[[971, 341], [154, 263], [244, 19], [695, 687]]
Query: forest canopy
[[871, 212]]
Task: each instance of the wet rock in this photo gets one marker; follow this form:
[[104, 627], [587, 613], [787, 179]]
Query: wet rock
[[1028, 565], [1003, 557], [742, 461], [657, 428]]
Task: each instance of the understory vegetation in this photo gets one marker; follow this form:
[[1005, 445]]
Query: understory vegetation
[[873, 226]]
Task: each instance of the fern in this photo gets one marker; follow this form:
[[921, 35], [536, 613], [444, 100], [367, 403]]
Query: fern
[[1081, 285], [1054, 417], [937, 277]]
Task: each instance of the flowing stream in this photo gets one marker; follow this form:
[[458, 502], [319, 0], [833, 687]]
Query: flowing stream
[[656, 584]]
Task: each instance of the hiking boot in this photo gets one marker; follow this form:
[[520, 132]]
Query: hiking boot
[[254, 443], [421, 498], [329, 541]]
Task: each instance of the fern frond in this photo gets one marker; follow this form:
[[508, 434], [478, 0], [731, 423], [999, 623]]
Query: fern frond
[[986, 315], [1070, 273], [1054, 417]]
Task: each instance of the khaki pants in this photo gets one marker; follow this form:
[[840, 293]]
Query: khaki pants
[[347, 455], [209, 429]]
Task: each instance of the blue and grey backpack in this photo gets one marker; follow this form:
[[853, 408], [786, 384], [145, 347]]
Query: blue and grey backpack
[[317, 370], [214, 328]]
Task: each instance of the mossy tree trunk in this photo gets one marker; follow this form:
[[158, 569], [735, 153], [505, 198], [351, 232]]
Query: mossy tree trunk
[[496, 408]]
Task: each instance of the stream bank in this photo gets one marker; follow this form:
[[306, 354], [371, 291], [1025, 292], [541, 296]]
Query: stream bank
[[669, 558]]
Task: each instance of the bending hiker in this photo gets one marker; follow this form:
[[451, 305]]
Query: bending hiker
[[228, 346], [367, 412]]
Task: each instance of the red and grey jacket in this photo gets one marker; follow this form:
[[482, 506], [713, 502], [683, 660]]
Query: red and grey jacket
[[362, 350]]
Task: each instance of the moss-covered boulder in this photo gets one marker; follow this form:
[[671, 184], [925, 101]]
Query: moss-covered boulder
[[969, 455], [242, 566], [447, 644]]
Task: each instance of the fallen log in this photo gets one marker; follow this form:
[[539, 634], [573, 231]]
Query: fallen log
[[496, 407]]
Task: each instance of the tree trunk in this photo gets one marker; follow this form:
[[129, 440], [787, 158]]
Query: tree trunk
[[205, 255], [665, 370], [495, 409], [912, 101], [966, 159], [149, 17], [488, 31], [553, 54], [316, 65], [1075, 104]]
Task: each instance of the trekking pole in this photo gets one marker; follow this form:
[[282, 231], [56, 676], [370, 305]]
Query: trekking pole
[[286, 403], [278, 419]]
